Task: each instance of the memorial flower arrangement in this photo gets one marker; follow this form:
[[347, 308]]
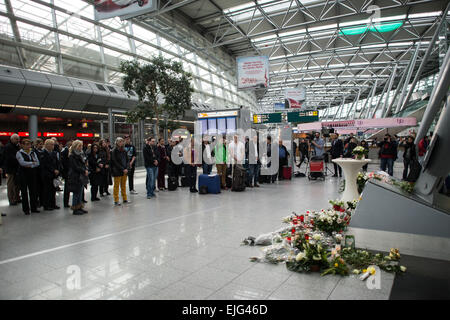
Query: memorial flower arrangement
[[360, 152], [313, 242], [380, 176]]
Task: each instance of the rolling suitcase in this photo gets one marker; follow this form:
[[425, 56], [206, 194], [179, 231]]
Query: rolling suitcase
[[239, 178], [287, 172], [212, 182]]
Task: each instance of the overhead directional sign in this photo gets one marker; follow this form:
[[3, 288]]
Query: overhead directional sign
[[303, 116], [279, 117], [267, 118]]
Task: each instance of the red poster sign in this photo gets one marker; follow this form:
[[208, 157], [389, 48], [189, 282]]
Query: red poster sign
[[85, 135]]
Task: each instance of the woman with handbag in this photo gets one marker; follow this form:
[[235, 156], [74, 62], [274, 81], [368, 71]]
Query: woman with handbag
[[78, 176]]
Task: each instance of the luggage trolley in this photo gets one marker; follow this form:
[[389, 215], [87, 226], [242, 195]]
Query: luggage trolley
[[316, 168]]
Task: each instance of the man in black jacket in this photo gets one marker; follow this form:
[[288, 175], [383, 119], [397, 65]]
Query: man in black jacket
[[131, 153], [254, 163], [409, 155], [49, 171], [65, 171], [151, 160], [11, 165], [337, 151]]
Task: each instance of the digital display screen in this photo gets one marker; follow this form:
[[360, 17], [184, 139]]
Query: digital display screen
[[204, 126], [231, 125], [212, 125], [222, 125]]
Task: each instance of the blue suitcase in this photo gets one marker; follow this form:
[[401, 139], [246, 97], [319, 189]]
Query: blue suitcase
[[212, 182]]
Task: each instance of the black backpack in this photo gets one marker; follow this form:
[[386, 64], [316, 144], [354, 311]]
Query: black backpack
[[172, 183], [239, 179]]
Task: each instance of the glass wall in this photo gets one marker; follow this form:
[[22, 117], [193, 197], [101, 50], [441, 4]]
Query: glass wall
[[61, 36]]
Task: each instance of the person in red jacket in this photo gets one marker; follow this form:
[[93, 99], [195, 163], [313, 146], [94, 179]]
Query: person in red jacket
[[388, 154], [423, 146]]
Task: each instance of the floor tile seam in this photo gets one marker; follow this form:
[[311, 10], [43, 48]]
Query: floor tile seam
[[231, 281], [99, 238], [337, 283]]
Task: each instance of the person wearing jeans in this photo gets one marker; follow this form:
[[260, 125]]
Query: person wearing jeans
[[388, 154], [131, 153], [254, 164], [151, 160], [119, 170]]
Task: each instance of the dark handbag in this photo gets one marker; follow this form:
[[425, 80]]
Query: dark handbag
[[84, 180]]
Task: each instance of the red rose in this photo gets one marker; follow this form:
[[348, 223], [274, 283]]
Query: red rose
[[336, 207], [306, 237], [302, 218], [342, 210]]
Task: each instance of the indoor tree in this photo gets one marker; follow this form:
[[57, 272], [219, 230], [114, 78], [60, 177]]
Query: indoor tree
[[163, 88]]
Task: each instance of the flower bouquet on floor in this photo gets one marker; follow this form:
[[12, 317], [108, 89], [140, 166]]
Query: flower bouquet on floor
[[311, 256], [360, 153]]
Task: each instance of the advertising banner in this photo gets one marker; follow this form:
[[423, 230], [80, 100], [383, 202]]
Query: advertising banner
[[361, 124], [294, 97], [253, 72], [125, 9]]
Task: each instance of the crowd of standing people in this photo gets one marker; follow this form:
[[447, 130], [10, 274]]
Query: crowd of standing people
[[35, 170]]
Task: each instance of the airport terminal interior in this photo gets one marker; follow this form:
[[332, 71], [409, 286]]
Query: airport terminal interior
[[224, 150]]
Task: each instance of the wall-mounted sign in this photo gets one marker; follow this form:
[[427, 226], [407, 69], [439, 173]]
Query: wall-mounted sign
[[54, 134], [217, 114], [85, 135], [253, 72], [295, 97], [125, 9]]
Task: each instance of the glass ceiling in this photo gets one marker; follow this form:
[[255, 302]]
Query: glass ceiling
[[81, 48]]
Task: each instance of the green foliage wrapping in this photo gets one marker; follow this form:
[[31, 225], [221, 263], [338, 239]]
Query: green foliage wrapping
[[159, 79]]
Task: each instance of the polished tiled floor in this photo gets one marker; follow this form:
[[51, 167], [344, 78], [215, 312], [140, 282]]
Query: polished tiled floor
[[177, 246]]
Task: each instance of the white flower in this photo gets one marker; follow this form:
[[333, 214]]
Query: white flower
[[300, 256], [317, 237], [356, 271], [402, 268]]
